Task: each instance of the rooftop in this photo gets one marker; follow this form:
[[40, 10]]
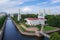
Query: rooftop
[[35, 18]]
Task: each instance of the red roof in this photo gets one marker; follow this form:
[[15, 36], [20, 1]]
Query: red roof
[[35, 18]]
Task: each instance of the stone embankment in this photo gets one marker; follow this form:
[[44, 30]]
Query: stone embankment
[[2, 30], [37, 33]]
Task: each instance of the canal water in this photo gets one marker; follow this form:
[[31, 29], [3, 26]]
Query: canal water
[[11, 33]]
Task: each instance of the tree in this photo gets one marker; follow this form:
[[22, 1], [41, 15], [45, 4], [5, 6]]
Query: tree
[[29, 16], [55, 36], [53, 20]]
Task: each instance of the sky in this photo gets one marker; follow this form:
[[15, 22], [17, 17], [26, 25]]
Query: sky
[[30, 6]]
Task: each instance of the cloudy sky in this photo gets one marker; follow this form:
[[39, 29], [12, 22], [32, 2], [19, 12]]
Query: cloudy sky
[[12, 6]]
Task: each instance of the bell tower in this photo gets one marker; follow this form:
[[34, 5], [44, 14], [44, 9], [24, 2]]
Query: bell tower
[[19, 15]]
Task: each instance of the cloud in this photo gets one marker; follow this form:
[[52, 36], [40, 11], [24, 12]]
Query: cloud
[[11, 5], [43, 3], [27, 9], [8, 3], [3, 1], [55, 1], [53, 10]]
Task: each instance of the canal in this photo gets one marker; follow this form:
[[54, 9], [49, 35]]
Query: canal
[[11, 33]]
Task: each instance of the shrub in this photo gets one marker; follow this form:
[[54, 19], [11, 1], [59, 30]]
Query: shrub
[[55, 36]]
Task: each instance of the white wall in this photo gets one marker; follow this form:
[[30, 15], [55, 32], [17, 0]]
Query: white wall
[[35, 22]]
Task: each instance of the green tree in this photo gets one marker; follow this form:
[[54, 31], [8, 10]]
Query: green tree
[[53, 20], [2, 20], [55, 36], [29, 16]]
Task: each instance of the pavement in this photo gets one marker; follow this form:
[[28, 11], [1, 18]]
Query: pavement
[[30, 28]]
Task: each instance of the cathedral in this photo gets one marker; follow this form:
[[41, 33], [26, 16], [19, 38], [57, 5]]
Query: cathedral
[[36, 21]]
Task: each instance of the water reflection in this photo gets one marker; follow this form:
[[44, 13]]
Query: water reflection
[[45, 38]]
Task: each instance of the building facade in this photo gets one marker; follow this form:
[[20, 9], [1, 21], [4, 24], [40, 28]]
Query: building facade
[[36, 21]]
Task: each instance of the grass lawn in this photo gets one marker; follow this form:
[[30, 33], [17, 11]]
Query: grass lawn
[[47, 28], [23, 30]]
